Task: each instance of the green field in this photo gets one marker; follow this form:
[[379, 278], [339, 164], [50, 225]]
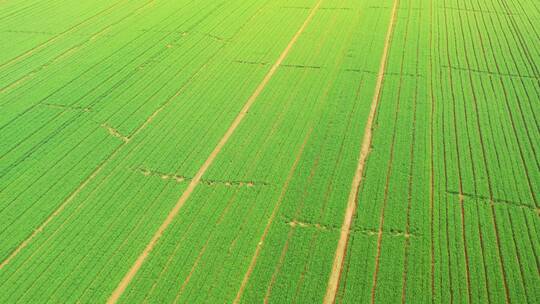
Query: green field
[[270, 151]]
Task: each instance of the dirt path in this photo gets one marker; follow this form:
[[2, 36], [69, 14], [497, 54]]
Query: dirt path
[[339, 257], [117, 293]]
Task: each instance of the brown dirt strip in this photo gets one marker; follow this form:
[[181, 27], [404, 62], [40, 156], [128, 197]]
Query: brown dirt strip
[[337, 267], [390, 166], [117, 293]]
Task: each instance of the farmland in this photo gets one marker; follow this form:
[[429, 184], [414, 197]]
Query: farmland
[[276, 151]]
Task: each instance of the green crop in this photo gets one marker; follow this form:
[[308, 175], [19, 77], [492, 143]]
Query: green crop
[[276, 151]]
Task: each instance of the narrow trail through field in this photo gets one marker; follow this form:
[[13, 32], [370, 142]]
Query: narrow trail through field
[[339, 256], [117, 293]]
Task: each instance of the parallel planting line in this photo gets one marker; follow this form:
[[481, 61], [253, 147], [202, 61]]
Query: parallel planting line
[[489, 182], [97, 171], [432, 115], [270, 220], [318, 224], [389, 172], [117, 293], [411, 172], [299, 208], [222, 216], [126, 138], [513, 120], [352, 204], [459, 159], [53, 39], [67, 53]]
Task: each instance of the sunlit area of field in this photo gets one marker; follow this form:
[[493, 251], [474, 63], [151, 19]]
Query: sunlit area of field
[[270, 151]]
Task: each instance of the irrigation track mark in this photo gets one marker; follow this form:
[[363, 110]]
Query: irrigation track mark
[[209, 182], [115, 133], [495, 200], [66, 107], [117, 293], [339, 257]]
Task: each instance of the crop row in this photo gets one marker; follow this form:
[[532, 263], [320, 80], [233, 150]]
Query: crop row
[[458, 141]]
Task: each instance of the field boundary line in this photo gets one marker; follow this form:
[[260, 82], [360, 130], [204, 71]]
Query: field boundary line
[[117, 293], [339, 257]]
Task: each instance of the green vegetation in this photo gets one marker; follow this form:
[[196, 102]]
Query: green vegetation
[[210, 151]]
